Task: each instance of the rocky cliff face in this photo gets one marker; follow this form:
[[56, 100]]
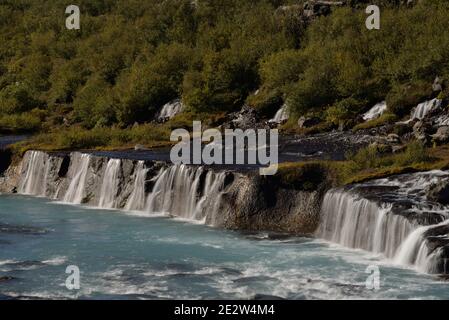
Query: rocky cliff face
[[254, 202]]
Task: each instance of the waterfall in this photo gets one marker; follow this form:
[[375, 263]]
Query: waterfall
[[281, 115], [360, 223], [75, 192], [170, 109], [389, 217], [186, 192], [35, 180], [376, 111], [424, 108], [136, 201], [189, 192], [413, 249], [109, 187]]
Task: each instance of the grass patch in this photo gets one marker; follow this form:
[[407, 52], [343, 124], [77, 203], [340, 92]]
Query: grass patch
[[367, 164], [383, 119], [74, 138], [151, 135], [307, 176], [20, 123]]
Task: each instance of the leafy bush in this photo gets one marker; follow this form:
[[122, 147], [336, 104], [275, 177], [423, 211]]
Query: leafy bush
[[402, 98], [266, 102], [151, 84], [16, 98], [344, 110], [280, 70], [20, 123]]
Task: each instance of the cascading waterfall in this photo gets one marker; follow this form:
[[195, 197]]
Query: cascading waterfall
[[136, 201], [109, 187], [360, 223], [35, 180], [424, 108], [75, 192], [179, 191], [414, 249], [281, 115], [387, 223], [376, 111], [169, 110], [189, 192]]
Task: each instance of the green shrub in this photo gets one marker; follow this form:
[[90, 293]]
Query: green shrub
[[402, 98], [266, 102], [383, 119], [16, 98], [415, 153], [306, 176], [151, 84], [344, 110], [280, 70], [20, 123]]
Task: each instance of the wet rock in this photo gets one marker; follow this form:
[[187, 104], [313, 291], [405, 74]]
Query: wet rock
[[256, 203], [423, 138], [246, 118], [442, 135], [422, 127], [438, 192], [5, 160], [437, 84], [316, 8], [6, 278], [307, 122], [402, 129], [393, 138], [139, 147]]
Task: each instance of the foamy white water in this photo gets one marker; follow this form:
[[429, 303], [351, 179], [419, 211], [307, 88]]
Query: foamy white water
[[281, 115], [170, 109], [376, 111]]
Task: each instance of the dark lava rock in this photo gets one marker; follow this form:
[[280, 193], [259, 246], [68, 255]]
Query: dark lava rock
[[442, 135], [6, 278], [251, 279], [439, 192], [437, 84], [304, 122], [246, 118]]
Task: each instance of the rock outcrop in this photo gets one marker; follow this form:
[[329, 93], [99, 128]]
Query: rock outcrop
[[438, 192], [259, 203]]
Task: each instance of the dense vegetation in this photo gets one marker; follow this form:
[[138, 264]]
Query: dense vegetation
[[132, 56]]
